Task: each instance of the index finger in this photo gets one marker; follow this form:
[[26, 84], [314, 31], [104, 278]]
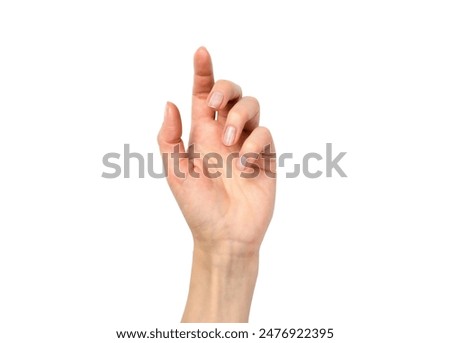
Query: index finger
[[203, 83]]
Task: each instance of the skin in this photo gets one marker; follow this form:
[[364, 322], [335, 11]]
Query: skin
[[228, 216]]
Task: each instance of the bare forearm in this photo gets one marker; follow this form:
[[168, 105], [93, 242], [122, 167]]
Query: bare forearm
[[221, 287]]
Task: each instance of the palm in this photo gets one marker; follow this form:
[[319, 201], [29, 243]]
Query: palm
[[214, 207]]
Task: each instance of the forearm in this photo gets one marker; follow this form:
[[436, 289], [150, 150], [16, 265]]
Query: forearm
[[221, 287]]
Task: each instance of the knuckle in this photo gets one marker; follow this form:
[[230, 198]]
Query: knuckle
[[228, 86], [264, 131], [239, 115], [251, 146], [222, 83], [253, 101]]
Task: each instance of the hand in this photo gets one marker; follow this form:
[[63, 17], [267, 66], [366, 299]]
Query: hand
[[228, 214]]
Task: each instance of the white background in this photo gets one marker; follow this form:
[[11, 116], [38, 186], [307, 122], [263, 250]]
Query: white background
[[82, 256]]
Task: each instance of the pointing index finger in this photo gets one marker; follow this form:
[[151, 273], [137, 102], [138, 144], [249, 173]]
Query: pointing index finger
[[203, 83]]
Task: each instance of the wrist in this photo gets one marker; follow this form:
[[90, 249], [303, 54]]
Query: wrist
[[230, 264], [222, 286], [227, 250]]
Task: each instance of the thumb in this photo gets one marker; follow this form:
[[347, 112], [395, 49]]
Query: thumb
[[171, 145]]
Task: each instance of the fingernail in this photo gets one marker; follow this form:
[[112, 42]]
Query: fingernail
[[215, 100], [166, 110], [242, 162], [228, 137]]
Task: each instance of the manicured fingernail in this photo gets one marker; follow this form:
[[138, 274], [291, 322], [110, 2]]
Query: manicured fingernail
[[215, 100], [228, 137], [242, 162]]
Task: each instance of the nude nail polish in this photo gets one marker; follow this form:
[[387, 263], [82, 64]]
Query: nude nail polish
[[215, 100], [228, 137]]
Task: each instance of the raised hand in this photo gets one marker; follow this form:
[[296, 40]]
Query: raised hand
[[224, 183]]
